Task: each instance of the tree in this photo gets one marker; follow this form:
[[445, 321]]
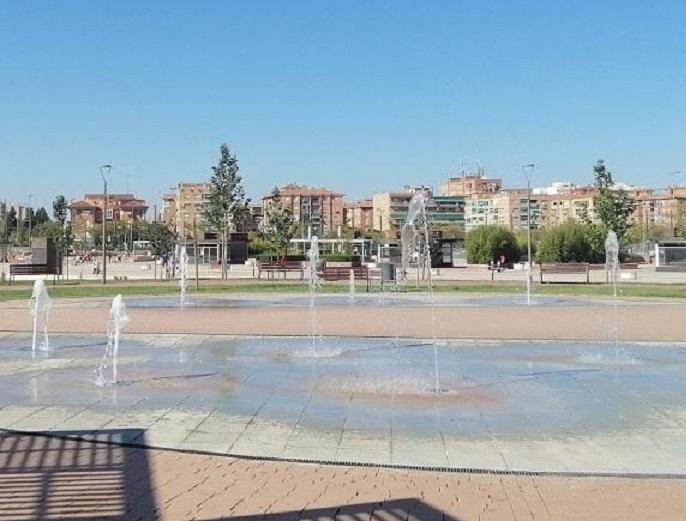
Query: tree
[[162, 239], [613, 206], [488, 243], [12, 222], [59, 210], [280, 226], [227, 205], [41, 216], [570, 242], [64, 238]]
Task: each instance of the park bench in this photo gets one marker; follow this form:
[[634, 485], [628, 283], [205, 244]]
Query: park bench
[[285, 267], [494, 268], [334, 273], [33, 269], [566, 268]]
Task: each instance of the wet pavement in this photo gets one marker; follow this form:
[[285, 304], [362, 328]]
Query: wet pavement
[[559, 407]]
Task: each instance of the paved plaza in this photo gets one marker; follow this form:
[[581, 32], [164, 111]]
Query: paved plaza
[[572, 408], [379, 315], [554, 407], [145, 271], [51, 479]]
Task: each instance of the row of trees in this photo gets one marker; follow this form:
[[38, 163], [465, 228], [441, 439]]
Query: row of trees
[[38, 224], [16, 231], [582, 241]]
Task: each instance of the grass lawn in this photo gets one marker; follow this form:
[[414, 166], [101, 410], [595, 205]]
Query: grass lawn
[[74, 289]]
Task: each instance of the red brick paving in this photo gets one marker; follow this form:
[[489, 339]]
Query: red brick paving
[[640, 322], [48, 479]]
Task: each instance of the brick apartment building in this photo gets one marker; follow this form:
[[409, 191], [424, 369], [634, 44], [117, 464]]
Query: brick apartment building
[[87, 213], [184, 210], [315, 210], [469, 184], [359, 215]]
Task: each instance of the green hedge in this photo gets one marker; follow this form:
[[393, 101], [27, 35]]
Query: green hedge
[[488, 243], [341, 257], [572, 242], [267, 257]]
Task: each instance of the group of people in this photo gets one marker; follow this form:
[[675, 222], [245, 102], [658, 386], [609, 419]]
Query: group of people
[[500, 263]]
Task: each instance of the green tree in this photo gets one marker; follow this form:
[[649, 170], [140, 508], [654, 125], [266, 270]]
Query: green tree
[[12, 222], [280, 226], [227, 205], [613, 206], [59, 210], [571, 242], [162, 239], [64, 238], [40, 216], [522, 241], [488, 243]]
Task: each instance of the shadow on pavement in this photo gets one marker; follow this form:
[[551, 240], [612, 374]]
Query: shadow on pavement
[[62, 477]]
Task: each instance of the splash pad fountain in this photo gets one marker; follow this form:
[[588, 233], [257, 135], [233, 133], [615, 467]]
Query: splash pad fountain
[[416, 245], [612, 268], [115, 322], [39, 308], [183, 274], [377, 391], [313, 284]]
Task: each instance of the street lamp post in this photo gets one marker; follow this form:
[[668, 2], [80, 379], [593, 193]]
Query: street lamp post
[[530, 167], [104, 172], [674, 205], [30, 219]]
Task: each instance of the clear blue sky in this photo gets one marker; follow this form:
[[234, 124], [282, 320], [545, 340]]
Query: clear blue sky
[[358, 96]]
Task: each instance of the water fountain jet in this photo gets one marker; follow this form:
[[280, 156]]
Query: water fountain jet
[[416, 244], [351, 287], [39, 308], [612, 268], [183, 274], [314, 282], [116, 320]]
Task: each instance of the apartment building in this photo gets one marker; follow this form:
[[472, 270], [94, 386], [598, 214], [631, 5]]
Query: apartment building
[[470, 184], [390, 209], [316, 211], [184, 210], [87, 213], [665, 208], [359, 215], [576, 204], [487, 209]]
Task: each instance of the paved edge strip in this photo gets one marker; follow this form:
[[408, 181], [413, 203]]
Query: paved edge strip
[[331, 463]]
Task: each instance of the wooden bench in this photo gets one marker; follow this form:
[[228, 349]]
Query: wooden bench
[[566, 268], [628, 266], [334, 273], [33, 269], [285, 267]]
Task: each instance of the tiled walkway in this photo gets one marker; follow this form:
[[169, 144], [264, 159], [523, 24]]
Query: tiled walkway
[[51, 479]]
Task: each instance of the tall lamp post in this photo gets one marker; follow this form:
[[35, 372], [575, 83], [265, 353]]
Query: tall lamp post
[[528, 171], [675, 205], [30, 219], [104, 172]]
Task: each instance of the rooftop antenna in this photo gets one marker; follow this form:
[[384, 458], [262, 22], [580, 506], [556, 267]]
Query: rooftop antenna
[[674, 175]]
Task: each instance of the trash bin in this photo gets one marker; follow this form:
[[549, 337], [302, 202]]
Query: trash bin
[[387, 271]]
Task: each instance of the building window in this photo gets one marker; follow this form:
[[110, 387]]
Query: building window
[[109, 214]]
